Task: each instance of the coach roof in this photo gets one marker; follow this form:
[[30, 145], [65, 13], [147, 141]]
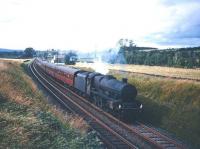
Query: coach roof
[[67, 69]]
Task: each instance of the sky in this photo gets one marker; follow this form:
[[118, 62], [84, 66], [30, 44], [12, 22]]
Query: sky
[[88, 25]]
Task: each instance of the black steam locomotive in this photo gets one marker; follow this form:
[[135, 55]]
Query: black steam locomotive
[[105, 91]]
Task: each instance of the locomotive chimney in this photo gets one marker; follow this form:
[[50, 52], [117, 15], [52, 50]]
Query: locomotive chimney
[[125, 80]]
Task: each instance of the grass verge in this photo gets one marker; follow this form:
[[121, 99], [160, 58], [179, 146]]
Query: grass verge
[[28, 121], [173, 105]]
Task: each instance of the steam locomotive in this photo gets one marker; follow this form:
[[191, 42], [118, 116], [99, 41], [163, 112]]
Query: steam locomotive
[[105, 91]]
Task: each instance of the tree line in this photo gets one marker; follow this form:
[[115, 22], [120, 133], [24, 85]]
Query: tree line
[[180, 57]]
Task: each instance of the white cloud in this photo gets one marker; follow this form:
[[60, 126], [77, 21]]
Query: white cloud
[[83, 24]]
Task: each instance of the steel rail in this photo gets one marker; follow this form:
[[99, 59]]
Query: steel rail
[[156, 75], [150, 141], [129, 144], [168, 141]]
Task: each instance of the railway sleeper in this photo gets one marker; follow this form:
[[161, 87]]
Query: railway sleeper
[[168, 144], [115, 141], [172, 147], [153, 137], [157, 139], [146, 133], [162, 141], [121, 146]]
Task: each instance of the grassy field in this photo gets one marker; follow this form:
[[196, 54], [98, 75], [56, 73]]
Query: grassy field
[[173, 105], [14, 60], [154, 70], [28, 121]]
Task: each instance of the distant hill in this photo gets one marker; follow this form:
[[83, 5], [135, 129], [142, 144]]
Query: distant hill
[[11, 53], [10, 50]]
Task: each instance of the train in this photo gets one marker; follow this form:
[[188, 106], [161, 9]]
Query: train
[[105, 91]]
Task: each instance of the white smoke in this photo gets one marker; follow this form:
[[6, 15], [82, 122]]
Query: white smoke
[[100, 67], [102, 59]]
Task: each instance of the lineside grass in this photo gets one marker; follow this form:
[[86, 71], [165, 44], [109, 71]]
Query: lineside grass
[[28, 121], [173, 105]]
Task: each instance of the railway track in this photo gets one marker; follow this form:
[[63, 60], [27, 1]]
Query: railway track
[[155, 135], [156, 75], [114, 133], [111, 137]]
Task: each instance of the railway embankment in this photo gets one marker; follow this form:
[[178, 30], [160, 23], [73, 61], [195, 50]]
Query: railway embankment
[[28, 121], [169, 104]]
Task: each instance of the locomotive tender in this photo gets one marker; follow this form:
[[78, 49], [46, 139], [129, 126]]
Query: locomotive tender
[[105, 91]]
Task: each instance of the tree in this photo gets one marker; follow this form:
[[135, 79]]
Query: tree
[[29, 52], [121, 42], [131, 43], [70, 58]]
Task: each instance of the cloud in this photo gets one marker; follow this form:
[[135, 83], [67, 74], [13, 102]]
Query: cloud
[[176, 2], [183, 24], [90, 25]]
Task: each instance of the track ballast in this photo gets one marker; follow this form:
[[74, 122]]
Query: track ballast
[[113, 132]]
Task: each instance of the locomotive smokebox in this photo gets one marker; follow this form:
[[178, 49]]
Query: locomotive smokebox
[[125, 80]]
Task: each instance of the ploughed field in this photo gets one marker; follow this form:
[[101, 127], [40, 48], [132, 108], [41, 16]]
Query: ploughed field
[[169, 104]]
